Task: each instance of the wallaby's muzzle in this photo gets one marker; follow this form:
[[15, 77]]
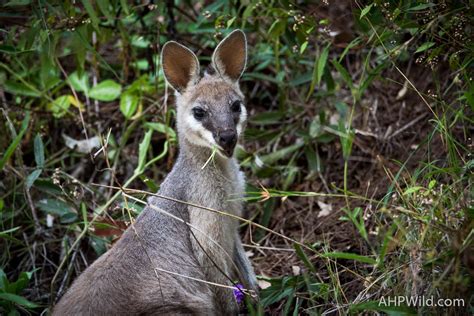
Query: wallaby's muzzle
[[227, 139]]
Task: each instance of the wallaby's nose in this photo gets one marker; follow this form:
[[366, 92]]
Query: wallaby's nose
[[227, 140]]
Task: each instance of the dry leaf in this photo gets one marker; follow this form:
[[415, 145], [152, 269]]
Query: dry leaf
[[326, 209], [403, 91], [49, 220], [296, 270], [263, 284], [82, 146]]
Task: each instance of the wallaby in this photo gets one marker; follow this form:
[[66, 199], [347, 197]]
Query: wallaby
[[161, 265]]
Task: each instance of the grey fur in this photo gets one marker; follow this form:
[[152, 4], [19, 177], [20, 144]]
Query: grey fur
[[124, 281]]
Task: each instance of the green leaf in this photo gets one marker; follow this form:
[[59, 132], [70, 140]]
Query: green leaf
[[68, 218], [231, 21], [469, 97], [8, 49], [32, 178], [140, 42], [104, 6], [346, 137], [53, 206], [424, 47], [21, 283], [47, 186], [432, 184], [356, 41], [345, 75], [3, 280], [123, 4], [142, 151], [92, 14], [315, 127], [20, 300], [128, 104], [268, 118], [79, 83], [412, 190], [277, 28], [19, 88], [318, 70], [4, 233], [314, 161], [302, 255], [39, 151], [385, 243], [342, 109], [60, 106], [107, 90], [16, 141], [277, 295], [322, 63], [149, 183], [162, 128], [365, 11], [141, 85], [268, 208], [303, 47], [421, 7], [301, 79], [281, 153], [349, 256], [14, 3], [279, 289]]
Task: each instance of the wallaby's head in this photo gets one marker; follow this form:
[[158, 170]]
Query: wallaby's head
[[211, 111]]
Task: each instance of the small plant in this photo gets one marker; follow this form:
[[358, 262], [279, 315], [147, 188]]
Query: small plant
[[11, 301]]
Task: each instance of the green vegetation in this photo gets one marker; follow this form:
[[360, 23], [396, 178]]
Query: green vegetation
[[358, 151]]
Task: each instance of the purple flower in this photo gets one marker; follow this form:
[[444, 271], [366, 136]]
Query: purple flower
[[238, 293]]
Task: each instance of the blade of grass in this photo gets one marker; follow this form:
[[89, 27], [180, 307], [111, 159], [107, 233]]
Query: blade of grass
[[17, 139]]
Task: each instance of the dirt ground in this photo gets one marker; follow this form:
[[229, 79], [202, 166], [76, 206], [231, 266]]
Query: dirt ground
[[390, 123]]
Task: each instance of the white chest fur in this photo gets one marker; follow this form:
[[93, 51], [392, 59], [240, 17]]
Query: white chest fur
[[214, 234]]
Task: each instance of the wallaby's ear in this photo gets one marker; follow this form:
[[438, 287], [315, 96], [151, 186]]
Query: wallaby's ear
[[230, 57], [180, 65]]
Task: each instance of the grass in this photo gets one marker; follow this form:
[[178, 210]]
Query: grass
[[357, 152]]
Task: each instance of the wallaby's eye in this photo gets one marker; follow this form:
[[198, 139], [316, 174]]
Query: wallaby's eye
[[236, 106], [199, 113]]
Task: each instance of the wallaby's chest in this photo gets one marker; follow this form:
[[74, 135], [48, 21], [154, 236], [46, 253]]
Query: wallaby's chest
[[214, 232], [220, 188], [219, 195]]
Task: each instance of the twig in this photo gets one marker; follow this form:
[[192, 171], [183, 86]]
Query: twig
[[185, 13], [189, 226], [269, 248], [413, 122], [249, 222], [248, 292], [18, 155], [171, 22], [95, 70], [78, 102], [66, 274], [31, 251], [33, 211]]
